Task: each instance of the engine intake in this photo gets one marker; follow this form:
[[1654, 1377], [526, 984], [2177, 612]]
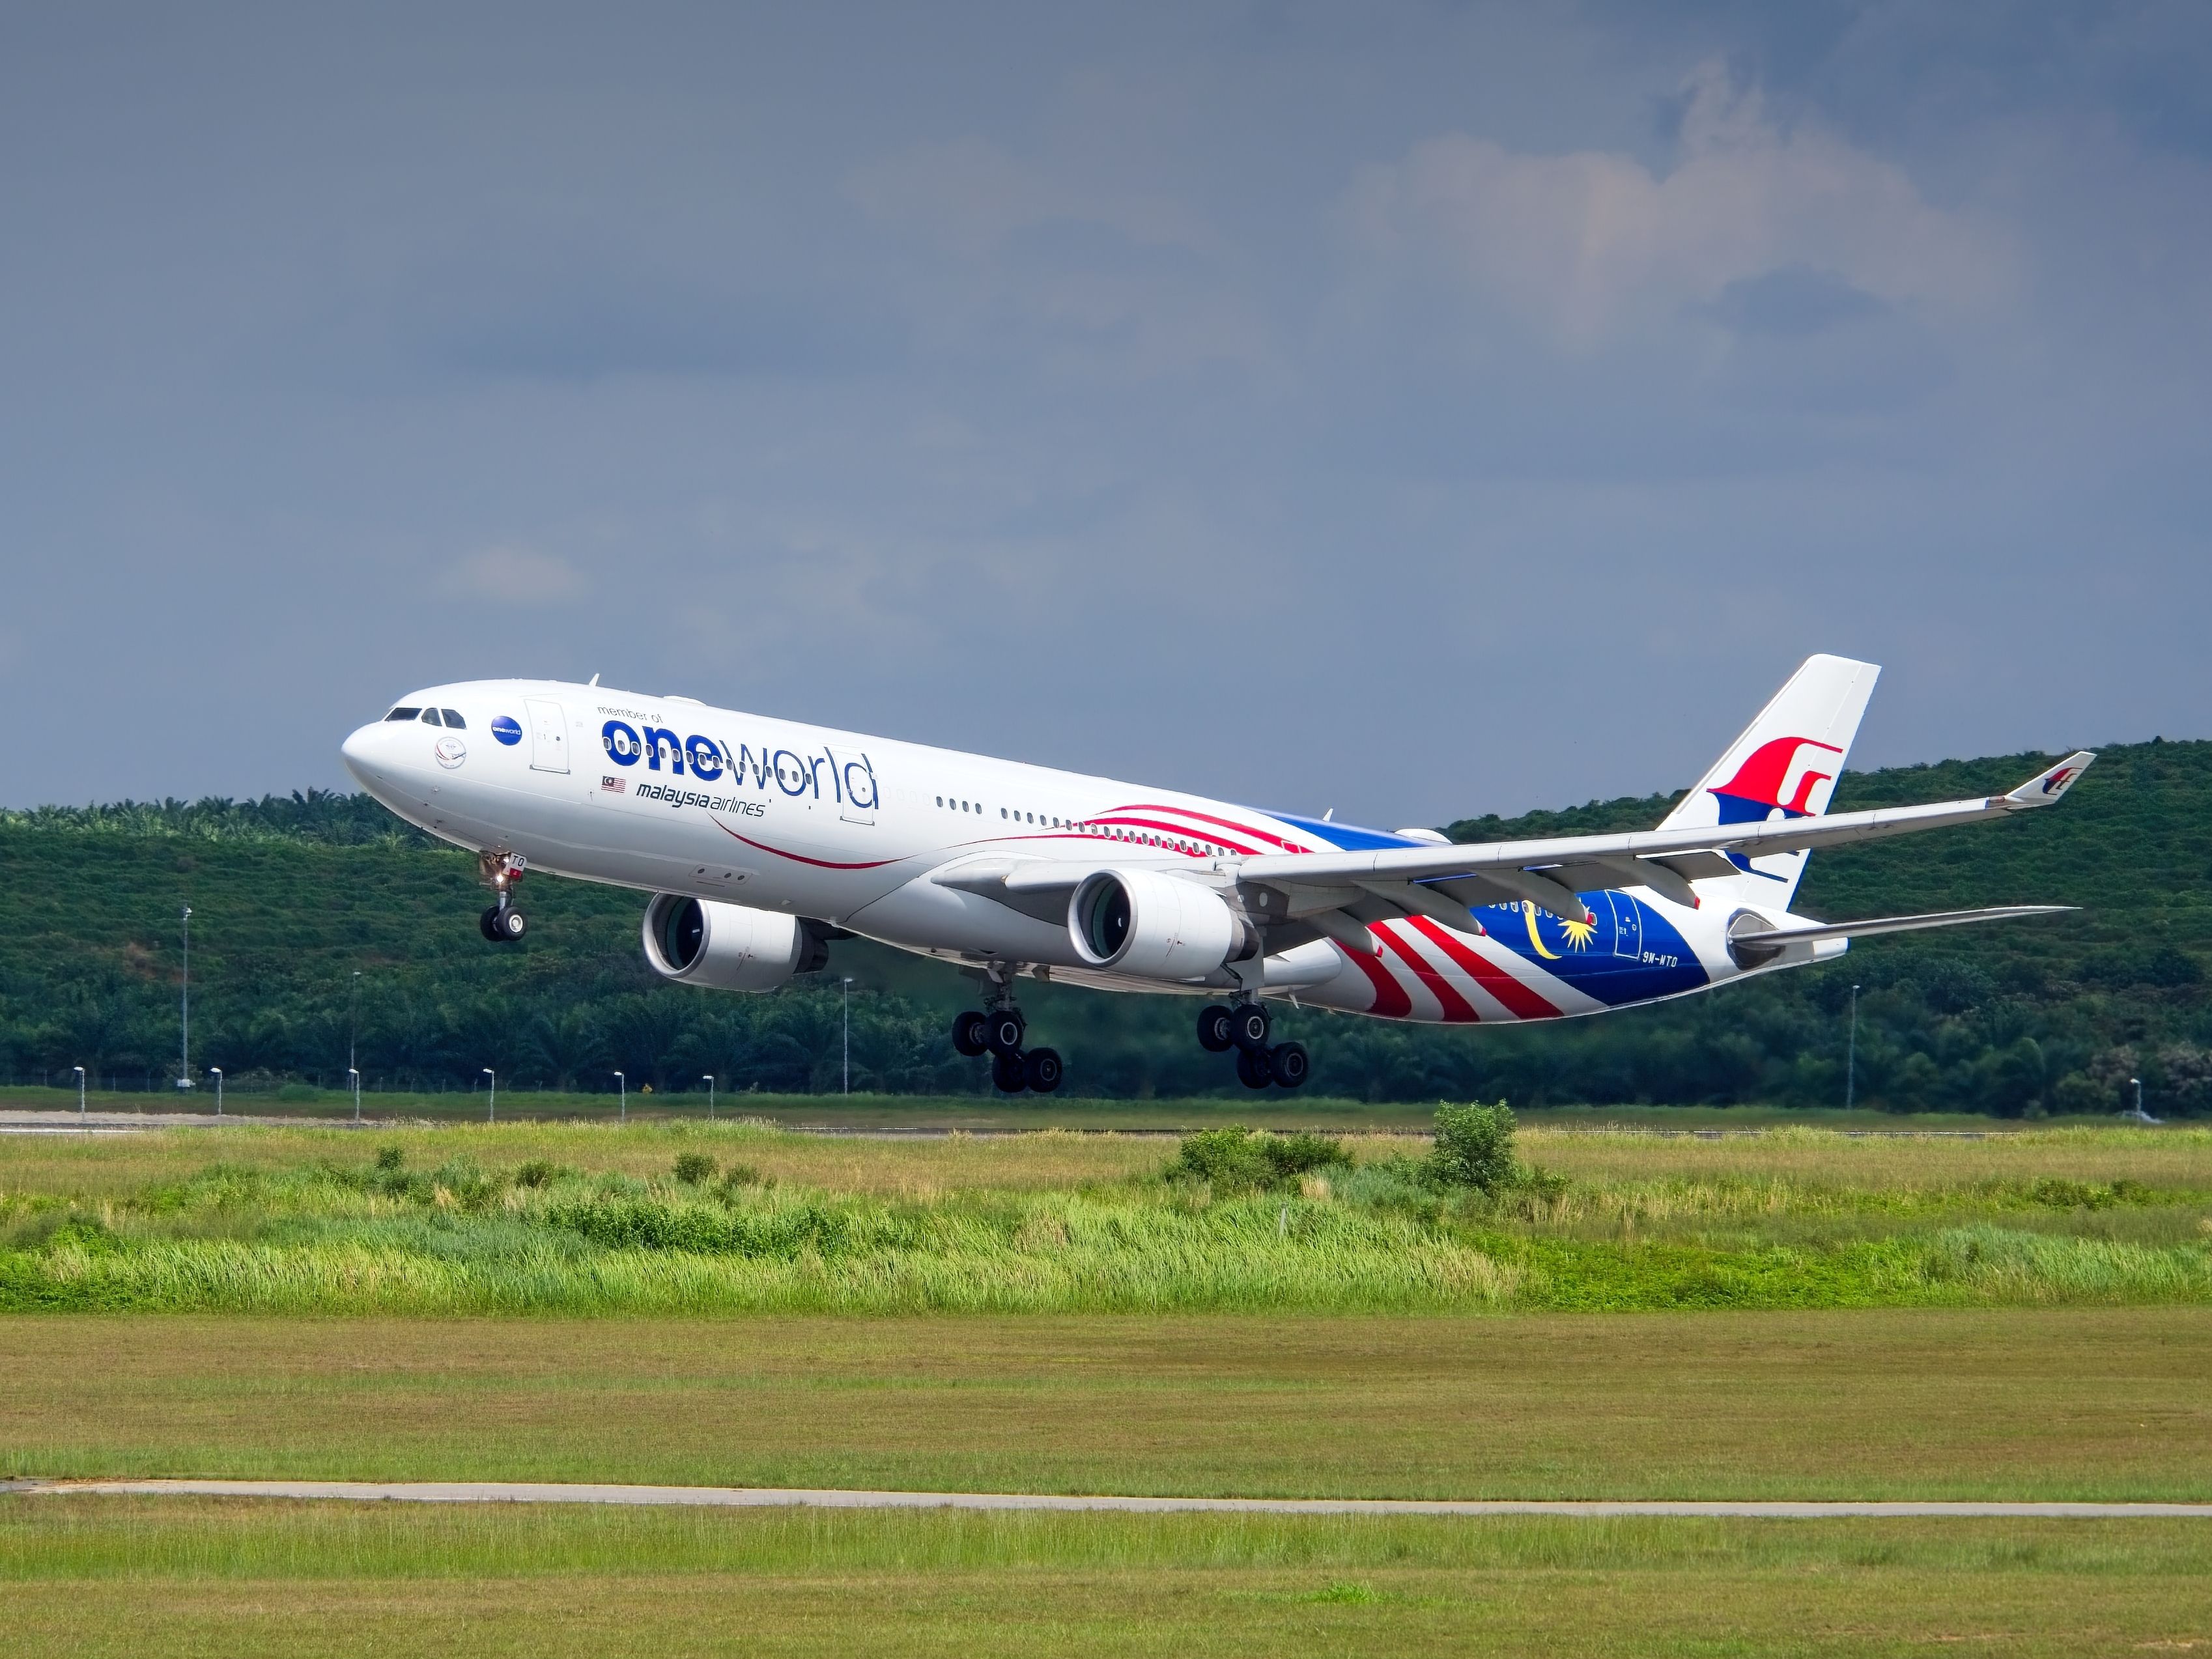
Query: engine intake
[[1155, 926], [729, 947]]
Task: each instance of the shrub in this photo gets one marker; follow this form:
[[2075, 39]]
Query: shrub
[[390, 1159], [539, 1172], [743, 1174], [1235, 1159], [692, 1168], [1473, 1147]]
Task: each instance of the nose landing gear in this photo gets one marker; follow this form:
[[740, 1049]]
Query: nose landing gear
[[1246, 1027], [997, 1031], [502, 924]]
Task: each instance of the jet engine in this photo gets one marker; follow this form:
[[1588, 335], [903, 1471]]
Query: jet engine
[[1156, 925], [729, 947]]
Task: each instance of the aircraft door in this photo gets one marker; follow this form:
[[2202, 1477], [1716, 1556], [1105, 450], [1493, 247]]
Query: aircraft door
[[549, 736], [855, 786], [1627, 925]]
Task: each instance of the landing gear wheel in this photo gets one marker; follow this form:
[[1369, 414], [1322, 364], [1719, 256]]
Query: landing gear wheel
[[1003, 1028], [509, 924], [1252, 1068], [968, 1035], [1042, 1070], [1007, 1071], [1248, 1025], [1213, 1032], [1289, 1064], [484, 922]]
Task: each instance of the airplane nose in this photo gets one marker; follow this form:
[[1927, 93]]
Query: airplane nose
[[360, 752]]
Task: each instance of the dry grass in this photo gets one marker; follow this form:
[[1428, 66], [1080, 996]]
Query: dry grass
[[2167, 1158], [1928, 1403], [130, 1577], [923, 1167]]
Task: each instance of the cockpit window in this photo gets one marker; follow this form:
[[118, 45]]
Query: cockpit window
[[453, 720], [430, 717], [402, 713]]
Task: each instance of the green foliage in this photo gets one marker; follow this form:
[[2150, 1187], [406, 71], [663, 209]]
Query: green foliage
[[323, 1235], [292, 896], [391, 1159], [1473, 1147], [693, 1168], [1235, 1159]]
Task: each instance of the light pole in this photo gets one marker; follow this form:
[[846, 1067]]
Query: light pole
[[491, 1102], [2137, 1084], [185, 1017], [708, 1079], [79, 1070], [353, 1022], [217, 1072], [1851, 1060], [621, 1084], [353, 1081], [848, 1033]]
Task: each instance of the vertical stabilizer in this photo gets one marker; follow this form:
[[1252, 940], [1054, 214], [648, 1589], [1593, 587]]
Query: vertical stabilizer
[[1784, 766]]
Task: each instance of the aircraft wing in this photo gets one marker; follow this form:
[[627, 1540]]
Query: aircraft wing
[[1549, 873]]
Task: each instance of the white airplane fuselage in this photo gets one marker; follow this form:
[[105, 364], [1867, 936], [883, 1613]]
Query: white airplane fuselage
[[669, 795]]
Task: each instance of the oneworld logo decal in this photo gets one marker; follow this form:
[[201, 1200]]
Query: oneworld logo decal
[[846, 777], [506, 731]]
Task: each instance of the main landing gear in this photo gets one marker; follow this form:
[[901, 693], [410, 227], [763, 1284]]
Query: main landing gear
[[997, 1031], [502, 924], [1246, 1027]]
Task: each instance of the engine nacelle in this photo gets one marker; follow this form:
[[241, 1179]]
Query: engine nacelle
[[1155, 926], [728, 947]]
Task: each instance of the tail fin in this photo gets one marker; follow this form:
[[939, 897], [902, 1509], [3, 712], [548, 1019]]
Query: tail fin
[[1784, 765]]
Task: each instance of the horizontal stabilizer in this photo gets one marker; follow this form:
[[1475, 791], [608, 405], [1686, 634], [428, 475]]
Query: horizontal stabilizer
[[1758, 943]]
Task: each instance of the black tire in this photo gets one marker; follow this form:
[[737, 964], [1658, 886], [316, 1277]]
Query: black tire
[[1007, 1072], [1252, 1068], [1289, 1064], [509, 924], [1248, 1025], [1042, 1070], [1213, 1028], [1003, 1031], [968, 1035], [484, 921]]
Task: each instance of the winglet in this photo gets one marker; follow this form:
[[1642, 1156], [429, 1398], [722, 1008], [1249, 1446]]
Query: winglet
[[2047, 787]]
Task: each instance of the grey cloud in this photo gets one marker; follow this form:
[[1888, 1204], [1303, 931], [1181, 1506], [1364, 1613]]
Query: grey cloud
[[1472, 380]]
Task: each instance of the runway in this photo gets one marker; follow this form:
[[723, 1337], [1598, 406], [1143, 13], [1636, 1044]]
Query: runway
[[501, 1491]]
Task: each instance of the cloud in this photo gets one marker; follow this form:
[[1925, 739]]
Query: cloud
[[516, 576], [1591, 245]]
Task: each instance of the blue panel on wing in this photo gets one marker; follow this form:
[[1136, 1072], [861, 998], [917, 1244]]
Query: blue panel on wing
[[1350, 837]]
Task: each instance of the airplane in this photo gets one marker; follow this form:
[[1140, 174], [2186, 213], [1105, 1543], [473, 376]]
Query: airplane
[[761, 841]]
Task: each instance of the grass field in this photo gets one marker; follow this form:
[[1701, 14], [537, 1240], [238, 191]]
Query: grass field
[[122, 1577], [980, 1113], [1047, 1313], [2009, 1403], [573, 1219]]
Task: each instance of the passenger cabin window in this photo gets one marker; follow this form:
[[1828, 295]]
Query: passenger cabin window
[[453, 720], [402, 713]]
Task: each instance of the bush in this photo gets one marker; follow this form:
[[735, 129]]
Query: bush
[[539, 1172], [1473, 1147], [390, 1159], [1235, 1159], [692, 1168]]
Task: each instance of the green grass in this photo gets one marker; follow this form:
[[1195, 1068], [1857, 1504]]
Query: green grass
[[1916, 1403], [121, 1576], [300, 1221]]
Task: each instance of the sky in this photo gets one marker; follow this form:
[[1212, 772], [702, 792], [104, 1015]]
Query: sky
[[1412, 410]]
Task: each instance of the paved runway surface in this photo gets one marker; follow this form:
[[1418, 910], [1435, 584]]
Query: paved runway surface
[[496, 1491]]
